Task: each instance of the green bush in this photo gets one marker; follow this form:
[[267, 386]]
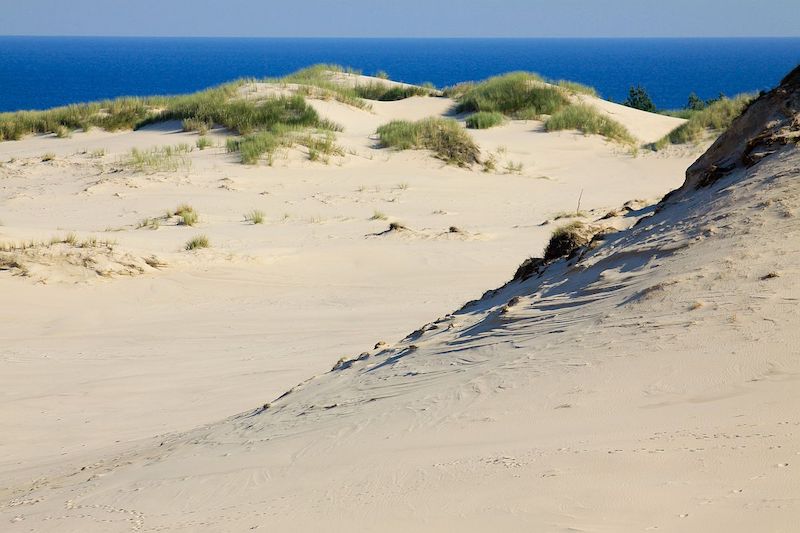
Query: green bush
[[589, 120], [518, 95], [445, 137], [484, 119]]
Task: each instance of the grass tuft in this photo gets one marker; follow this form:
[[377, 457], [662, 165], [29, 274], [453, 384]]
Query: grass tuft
[[203, 143], [484, 119], [565, 240], [187, 214], [201, 241], [254, 217], [445, 137], [589, 120]]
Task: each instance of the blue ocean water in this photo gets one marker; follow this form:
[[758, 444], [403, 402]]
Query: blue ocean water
[[42, 72]]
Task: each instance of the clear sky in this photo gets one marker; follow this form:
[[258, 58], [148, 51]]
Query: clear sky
[[403, 18]]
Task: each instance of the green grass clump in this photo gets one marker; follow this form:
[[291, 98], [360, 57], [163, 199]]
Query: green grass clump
[[521, 95], [254, 217], [110, 115], [444, 137], [49, 156], [252, 148], [201, 241], [589, 120], [484, 119], [385, 93], [203, 143], [714, 118], [378, 215]]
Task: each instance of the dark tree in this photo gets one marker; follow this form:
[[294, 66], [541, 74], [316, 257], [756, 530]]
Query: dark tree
[[695, 103], [639, 99]]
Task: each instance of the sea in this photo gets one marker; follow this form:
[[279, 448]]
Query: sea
[[43, 72]]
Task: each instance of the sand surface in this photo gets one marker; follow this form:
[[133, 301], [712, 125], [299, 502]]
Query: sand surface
[[639, 392]]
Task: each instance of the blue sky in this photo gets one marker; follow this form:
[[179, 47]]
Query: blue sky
[[406, 18]]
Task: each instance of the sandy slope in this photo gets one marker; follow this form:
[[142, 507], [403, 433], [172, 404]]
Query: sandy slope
[[463, 429]]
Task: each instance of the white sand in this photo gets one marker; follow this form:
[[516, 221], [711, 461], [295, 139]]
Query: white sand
[[624, 413]]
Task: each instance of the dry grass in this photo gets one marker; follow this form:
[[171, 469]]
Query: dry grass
[[254, 217], [198, 242]]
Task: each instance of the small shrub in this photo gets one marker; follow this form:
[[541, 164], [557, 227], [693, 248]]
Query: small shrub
[[589, 120], [449, 141], [382, 74], [484, 119], [378, 215], [204, 142], [201, 241], [254, 217], [565, 240], [98, 153], [49, 156]]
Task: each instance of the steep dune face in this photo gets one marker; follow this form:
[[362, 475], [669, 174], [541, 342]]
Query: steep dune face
[[649, 382], [770, 122]]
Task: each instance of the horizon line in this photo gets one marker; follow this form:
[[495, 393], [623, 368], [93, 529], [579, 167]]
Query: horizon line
[[515, 37]]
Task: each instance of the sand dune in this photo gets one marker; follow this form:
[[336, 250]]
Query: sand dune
[[646, 383]]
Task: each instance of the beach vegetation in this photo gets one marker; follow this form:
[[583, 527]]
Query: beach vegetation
[[445, 137], [484, 119], [638, 98], [187, 214], [522, 95], [589, 120], [255, 216], [198, 242], [715, 117], [157, 159], [566, 239]]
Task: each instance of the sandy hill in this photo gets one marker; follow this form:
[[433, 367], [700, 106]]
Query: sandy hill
[[646, 382]]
